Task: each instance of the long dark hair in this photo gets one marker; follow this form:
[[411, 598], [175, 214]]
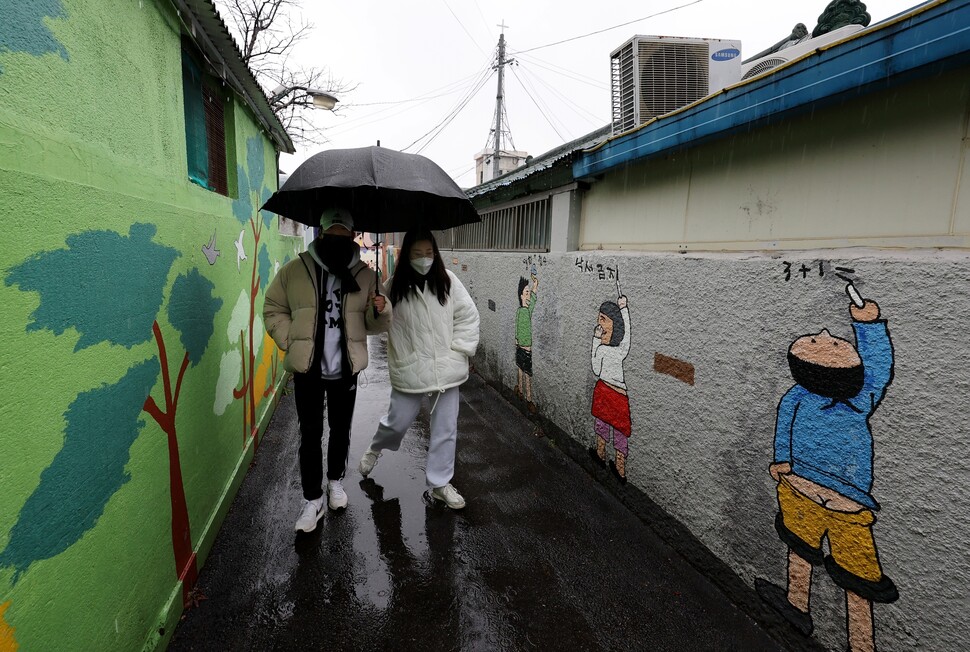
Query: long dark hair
[[406, 280]]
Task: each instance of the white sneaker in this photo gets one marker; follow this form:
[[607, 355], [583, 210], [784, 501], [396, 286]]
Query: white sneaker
[[338, 497], [311, 514], [449, 496], [368, 462]]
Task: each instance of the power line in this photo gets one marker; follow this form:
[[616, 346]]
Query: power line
[[445, 2], [454, 111], [565, 72], [607, 29], [576, 108], [356, 122], [453, 116], [541, 112], [484, 22]]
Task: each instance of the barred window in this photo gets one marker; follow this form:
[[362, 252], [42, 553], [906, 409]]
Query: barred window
[[521, 227], [207, 143]]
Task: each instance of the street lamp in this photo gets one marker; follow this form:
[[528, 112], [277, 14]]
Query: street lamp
[[321, 99]]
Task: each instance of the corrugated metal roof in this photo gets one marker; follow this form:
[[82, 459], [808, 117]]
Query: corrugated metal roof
[[543, 162], [211, 34]]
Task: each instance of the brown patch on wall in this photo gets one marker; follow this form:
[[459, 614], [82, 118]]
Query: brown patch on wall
[[682, 371], [454, 261]]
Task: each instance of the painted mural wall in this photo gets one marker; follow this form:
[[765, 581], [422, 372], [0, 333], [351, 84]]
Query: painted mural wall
[[135, 373], [802, 413]]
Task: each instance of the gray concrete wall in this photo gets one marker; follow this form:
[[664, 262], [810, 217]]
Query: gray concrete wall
[[702, 451]]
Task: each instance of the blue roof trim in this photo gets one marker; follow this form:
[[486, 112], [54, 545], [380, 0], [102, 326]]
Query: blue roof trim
[[933, 39]]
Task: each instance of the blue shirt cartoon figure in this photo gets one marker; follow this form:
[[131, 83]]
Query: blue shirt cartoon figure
[[823, 466]]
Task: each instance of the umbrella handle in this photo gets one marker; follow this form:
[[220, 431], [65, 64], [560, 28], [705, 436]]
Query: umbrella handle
[[377, 279]]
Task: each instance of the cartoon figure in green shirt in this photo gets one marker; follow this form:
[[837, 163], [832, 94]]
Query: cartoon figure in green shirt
[[523, 338]]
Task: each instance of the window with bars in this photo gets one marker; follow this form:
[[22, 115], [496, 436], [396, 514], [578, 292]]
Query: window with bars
[[206, 117], [522, 227]]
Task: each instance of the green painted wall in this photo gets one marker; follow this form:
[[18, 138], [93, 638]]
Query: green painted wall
[[113, 484]]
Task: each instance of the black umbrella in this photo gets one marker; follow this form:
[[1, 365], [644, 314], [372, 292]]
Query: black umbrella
[[385, 191]]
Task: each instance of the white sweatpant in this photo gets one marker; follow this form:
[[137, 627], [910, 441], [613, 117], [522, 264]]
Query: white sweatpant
[[444, 430]]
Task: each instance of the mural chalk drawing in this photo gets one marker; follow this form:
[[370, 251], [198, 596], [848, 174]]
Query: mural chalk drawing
[[527, 297], [611, 402], [823, 467]]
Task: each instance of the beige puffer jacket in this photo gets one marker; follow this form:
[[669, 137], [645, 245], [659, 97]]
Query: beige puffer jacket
[[290, 313]]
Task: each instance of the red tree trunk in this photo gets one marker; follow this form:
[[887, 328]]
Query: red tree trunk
[[186, 568]]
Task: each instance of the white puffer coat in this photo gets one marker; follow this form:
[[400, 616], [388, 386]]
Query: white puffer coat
[[429, 344]]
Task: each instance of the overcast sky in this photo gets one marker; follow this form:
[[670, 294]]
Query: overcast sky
[[415, 62]]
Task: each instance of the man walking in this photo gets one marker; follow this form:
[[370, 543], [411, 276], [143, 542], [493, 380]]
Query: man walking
[[319, 309]]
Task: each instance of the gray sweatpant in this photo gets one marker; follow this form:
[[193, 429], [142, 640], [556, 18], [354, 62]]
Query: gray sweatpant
[[444, 430]]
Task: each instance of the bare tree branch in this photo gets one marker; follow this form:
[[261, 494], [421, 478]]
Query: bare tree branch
[[267, 31]]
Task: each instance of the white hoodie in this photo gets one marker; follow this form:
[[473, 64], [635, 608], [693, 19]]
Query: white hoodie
[[428, 343]]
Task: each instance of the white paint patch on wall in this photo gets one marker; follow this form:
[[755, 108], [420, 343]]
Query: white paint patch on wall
[[702, 452]]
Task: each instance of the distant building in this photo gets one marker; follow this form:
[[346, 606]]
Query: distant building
[[507, 161]]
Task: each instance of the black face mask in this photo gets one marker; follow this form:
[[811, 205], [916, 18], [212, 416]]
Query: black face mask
[[839, 384], [336, 252]]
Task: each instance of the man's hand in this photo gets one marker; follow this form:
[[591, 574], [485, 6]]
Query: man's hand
[[868, 312], [778, 470], [598, 331], [379, 302], [535, 282], [621, 302]]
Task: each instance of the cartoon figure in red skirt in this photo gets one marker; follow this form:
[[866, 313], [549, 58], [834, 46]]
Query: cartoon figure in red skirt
[[611, 404]]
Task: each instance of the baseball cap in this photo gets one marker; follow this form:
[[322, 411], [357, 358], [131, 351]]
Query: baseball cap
[[332, 216]]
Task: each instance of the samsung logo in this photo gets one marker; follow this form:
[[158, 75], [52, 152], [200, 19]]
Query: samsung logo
[[726, 54]]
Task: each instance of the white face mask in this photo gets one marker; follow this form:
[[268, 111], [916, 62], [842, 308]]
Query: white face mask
[[422, 265]]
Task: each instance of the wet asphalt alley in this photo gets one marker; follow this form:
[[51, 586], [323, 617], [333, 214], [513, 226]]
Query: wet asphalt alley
[[543, 557]]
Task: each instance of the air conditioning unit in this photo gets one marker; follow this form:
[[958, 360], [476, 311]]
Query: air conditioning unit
[[654, 75], [754, 67]]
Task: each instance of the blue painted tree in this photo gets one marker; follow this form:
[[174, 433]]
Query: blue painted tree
[[81, 288], [102, 424], [23, 30], [253, 193], [108, 271]]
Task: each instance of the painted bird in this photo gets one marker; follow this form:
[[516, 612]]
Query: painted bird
[[240, 252], [210, 251]]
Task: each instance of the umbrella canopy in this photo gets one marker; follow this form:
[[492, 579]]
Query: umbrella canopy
[[385, 190]]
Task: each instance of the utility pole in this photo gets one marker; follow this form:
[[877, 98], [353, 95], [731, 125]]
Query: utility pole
[[498, 101]]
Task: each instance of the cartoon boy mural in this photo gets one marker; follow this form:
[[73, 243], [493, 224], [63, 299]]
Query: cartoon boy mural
[[523, 338], [823, 467], [611, 404]]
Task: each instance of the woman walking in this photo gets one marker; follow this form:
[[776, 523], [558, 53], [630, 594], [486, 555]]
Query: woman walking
[[433, 333]]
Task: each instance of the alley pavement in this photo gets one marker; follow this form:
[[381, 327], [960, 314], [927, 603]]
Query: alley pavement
[[542, 558]]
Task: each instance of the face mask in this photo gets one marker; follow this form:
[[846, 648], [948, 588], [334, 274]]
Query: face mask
[[422, 265], [336, 251]]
